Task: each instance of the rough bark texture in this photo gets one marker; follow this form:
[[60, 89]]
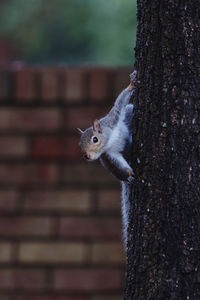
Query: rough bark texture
[[164, 233]]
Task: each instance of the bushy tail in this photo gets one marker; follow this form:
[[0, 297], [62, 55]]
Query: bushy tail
[[126, 189]]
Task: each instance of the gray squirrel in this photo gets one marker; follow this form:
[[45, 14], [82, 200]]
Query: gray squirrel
[[109, 140]]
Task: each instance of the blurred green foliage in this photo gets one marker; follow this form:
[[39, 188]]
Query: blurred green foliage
[[71, 31]]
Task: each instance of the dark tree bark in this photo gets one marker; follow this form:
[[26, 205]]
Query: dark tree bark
[[163, 259]]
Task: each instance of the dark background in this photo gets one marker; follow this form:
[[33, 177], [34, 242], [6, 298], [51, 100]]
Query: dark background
[[72, 31], [60, 222]]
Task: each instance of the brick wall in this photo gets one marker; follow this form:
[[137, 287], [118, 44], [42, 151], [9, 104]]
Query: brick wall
[[60, 223]]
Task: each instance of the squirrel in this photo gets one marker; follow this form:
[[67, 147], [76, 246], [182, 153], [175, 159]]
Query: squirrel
[[109, 140]]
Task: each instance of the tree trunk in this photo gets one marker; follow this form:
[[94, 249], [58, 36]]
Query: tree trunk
[[163, 259]]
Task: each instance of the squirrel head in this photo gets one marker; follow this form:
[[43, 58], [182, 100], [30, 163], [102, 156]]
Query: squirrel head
[[92, 141]]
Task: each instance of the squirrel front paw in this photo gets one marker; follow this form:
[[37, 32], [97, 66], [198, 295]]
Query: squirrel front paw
[[133, 77]]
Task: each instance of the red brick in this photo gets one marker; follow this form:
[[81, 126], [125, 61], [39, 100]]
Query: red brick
[[22, 279], [67, 200], [101, 253], [56, 147], [85, 227], [28, 173], [49, 84], [13, 146], [4, 86], [87, 280], [8, 200], [108, 297], [57, 252], [5, 252], [47, 297], [109, 200], [33, 119], [100, 87], [74, 86], [25, 89], [28, 226], [88, 173], [84, 117], [4, 297]]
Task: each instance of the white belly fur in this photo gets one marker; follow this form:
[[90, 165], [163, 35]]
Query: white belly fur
[[118, 137]]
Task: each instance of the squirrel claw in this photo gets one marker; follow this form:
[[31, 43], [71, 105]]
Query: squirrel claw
[[133, 76], [130, 179]]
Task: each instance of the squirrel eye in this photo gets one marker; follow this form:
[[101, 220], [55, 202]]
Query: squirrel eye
[[95, 139]]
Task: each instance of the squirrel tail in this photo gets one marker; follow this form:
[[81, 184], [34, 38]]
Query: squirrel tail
[[126, 189]]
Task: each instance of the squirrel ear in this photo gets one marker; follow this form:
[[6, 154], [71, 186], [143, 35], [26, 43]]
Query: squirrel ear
[[97, 126], [79, 130]]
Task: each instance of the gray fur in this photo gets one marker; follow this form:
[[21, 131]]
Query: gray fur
[[121, 108], [118, 109], [125, 194], [129, 116], [114, 153], [85, 138]]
